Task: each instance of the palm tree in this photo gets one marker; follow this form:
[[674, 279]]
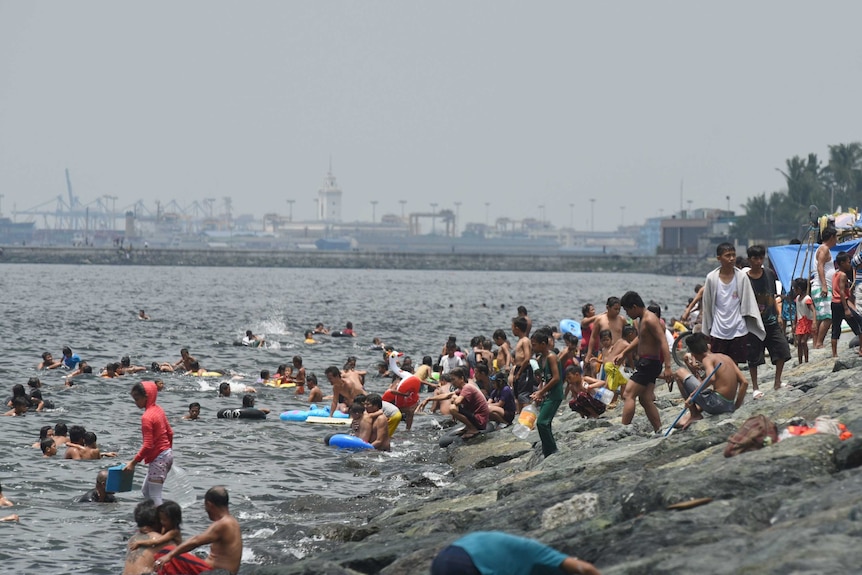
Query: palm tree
[[845, 168]]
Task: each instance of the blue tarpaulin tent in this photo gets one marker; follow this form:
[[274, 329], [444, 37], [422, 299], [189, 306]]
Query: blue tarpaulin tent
[[789, 261]]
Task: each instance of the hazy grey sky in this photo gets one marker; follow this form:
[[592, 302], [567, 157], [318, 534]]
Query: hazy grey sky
[[520, 104]]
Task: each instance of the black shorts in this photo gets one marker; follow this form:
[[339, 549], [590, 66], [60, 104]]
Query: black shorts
[[736, 348], [838, 317], [646, 371], [775, 342]]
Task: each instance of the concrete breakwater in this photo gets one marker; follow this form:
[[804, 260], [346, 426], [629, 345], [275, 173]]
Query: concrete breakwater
[[793, 507], [662, 265]]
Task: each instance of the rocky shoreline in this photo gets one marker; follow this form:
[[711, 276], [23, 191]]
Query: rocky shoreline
[[793, 507]]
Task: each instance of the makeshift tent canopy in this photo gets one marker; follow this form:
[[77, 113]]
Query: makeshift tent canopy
[[789, 262]]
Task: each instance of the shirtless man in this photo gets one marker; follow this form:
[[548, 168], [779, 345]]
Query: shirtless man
[[523, 353], [126, 366], [652, 351], [522, 312], [74, 445], [315, 395], [343, 391], [89, 448], [728, 384], [48, 362], [374, 426], [353, 375], [61, 434], [140, 561], [319, 328], [223, 536], [610, 320], [185, 361]]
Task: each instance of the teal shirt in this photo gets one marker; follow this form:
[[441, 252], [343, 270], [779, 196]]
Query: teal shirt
[[497, 553]]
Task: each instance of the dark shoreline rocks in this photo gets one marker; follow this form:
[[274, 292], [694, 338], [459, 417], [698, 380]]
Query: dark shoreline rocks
[[794, 507]]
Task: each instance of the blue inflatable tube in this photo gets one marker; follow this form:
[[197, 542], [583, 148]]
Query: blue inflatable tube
[[344, 441], [571, 326], [302, 415]]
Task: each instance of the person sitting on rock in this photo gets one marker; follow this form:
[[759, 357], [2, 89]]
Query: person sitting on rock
[[728, 383]]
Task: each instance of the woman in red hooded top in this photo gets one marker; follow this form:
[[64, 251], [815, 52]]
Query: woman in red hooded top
[[158, 440]]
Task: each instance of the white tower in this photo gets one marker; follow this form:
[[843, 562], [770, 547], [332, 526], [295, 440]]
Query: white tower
[[329, 199]]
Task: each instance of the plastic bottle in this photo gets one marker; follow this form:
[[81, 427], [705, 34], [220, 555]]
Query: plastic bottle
[[603, 394], [178, 487], [526, 422]]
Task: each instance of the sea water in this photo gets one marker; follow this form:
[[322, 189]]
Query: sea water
[[282, 479]]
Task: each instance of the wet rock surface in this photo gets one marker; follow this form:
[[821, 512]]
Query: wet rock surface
[[793, 507]]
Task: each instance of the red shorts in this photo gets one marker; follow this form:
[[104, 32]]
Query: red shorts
[[804, 326], [185, 564]]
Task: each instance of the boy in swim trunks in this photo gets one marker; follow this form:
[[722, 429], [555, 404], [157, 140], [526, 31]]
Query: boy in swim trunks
[[652, 351], [728, 384]]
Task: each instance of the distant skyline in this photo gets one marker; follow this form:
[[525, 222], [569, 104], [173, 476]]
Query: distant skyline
[[519, 105]]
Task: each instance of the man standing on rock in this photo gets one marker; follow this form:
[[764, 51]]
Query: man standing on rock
[[730, 312], [612, 321], [652, 352], [728, 384], [821, 284], [763, 284]]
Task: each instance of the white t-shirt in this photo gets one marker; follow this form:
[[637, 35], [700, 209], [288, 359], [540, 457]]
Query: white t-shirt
[[448, 363], [727, 321], [802, 309]]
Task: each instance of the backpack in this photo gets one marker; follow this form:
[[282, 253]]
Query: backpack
[[756, 432]]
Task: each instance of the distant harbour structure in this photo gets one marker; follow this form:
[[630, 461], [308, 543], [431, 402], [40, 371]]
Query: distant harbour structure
[[329, 199]]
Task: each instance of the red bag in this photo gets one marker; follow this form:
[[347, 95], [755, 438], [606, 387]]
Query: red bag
[[756, 432]]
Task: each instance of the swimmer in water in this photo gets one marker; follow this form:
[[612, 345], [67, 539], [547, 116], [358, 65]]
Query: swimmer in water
[[46, 432], [224, 389], [126, 366], [170, 517], [20, 405], [315, 395], [143, 315], [309, 338], [48, 362], [3, 501], [186, 360], [320, 329], [251, 340], [49, 448], [163, 367], [298, 375], [83, 368], [248, 401], [194, 411]]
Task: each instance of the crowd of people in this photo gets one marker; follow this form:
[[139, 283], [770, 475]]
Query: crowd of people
[[735, 316]]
